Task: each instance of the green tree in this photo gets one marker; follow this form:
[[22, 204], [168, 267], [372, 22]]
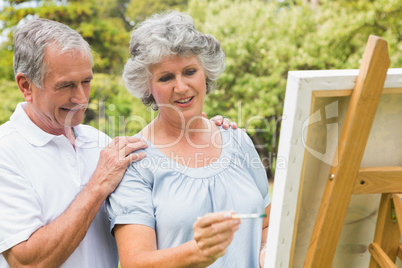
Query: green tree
[[261, 46], [10, 95], [104, 25], [263, 40], [343, 28], [140, 9], [94, 20], [6, 62], [114, 110]]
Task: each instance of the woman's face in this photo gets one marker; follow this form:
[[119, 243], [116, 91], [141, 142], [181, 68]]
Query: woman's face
[[179, 88]]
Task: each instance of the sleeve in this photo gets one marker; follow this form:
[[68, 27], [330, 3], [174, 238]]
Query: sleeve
[[20, 207], [254, 165], [131, 202]]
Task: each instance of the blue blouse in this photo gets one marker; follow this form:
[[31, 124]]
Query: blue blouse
[[167, 196]]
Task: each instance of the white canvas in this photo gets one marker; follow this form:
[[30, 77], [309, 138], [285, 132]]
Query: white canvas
[[310, 129]]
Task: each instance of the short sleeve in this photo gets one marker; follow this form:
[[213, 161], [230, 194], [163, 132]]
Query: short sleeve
[[20, 207], [131, 202], [254, 165]]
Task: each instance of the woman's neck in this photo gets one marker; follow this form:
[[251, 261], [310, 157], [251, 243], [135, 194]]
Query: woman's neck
[[194, 128], [197, 145]]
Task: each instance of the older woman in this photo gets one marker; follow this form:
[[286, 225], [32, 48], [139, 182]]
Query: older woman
[[192, 168]]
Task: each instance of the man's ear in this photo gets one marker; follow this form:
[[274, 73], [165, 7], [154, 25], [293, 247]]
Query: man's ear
[[25, 86]]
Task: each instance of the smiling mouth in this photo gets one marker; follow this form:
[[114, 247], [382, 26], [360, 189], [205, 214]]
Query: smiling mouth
[[183, 101], [73, 110]]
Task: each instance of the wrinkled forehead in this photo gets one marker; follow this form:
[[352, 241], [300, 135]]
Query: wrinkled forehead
[[72, 64], [56, 47]]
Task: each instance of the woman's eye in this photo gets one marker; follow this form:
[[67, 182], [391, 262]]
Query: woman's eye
[[191, 72], [165, 78]]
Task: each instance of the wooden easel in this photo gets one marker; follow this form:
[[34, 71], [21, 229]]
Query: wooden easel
[[348, 178]]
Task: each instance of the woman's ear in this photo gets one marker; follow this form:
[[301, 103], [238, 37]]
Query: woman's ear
[[24, 85]]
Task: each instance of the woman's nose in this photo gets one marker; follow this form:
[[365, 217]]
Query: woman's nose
[[181, 85]]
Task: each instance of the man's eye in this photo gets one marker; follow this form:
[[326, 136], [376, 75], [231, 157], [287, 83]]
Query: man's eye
[[66, 86], [165, 78]]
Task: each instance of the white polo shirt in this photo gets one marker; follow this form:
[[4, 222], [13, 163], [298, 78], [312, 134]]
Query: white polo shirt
[[40, 175]]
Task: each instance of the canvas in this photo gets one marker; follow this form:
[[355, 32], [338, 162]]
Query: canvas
[[315, 106]]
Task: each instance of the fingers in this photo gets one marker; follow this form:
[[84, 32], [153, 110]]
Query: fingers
[[203, 230], [113, 142], [233, 125], [122, 140], [218, 119], [125, 147], [225, 122], [214, 232], [114, 160], [136, 157], [211, 218], [220, 235], [218, 249], [128, 145]]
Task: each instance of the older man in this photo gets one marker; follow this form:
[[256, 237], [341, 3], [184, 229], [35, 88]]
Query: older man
[[54, 172]]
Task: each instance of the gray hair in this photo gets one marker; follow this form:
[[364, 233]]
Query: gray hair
[[31, 40], [169, 34]]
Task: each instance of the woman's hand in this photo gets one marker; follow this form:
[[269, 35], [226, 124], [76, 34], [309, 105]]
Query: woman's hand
[[213, 233]]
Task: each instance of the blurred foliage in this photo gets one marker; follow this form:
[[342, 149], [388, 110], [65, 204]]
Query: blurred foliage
[[10, 95], [113, 109], [263, 40], [138, 10], [93, 19]]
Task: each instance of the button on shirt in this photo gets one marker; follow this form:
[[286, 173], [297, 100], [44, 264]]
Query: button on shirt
[[40, 175]]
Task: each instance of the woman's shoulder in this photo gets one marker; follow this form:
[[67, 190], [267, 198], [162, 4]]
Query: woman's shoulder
[[237, 137], [151, 160]]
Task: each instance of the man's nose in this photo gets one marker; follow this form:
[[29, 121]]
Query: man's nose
[[79, 95]]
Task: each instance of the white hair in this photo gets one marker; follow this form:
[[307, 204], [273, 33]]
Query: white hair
[[169, 34]]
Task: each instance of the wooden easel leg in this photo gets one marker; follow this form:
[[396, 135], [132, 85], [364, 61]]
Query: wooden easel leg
[[397, 199], [381, 259], [352, 142], [400, 252], [384, 249], [398, 210]]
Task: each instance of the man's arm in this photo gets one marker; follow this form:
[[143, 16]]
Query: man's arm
[[219, 120], [51, 245]]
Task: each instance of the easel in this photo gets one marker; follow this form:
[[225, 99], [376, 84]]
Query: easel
[[348, 178]]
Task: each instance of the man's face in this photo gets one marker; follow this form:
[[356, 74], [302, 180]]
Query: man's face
[[62, 102]]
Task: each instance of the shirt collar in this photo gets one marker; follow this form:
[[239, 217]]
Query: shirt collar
[[34, 134]]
